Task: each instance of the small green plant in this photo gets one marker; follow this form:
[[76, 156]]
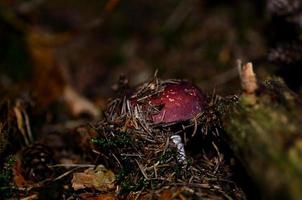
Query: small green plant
[[7, 189], [167, 156], [113, 142]]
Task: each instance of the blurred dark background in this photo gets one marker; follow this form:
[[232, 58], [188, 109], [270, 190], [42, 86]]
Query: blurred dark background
[[90, 44]]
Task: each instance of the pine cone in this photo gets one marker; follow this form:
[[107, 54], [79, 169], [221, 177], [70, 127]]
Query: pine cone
[[35, 162], [288, 53], [283, 7]]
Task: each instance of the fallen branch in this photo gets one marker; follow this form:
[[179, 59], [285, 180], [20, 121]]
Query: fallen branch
[[265, 134]]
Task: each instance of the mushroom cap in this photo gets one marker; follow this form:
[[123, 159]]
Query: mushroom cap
[[179, 101]]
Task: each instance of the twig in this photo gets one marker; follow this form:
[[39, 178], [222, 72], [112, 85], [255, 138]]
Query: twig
[[27, 125], [248, 82], [65, 174], [142, 170], [71, 165], [248, 77]]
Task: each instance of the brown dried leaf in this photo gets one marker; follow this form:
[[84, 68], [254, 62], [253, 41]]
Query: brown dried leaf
[[89, 196], [100, 179], [166, 195], [18, 178], [23, 123], [79, 104], [49, 78]]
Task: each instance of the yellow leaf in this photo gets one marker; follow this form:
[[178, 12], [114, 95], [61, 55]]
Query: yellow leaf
[[100, 179]]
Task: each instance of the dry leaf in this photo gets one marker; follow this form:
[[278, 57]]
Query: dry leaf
[[51, 81], [100, 179], [49, 78], [79, 104], [166, 195], [23, 123], [18, 178], [89, 196]]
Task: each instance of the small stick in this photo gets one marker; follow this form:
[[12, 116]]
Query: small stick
[[71, 165], [248, 77], [248, 82]]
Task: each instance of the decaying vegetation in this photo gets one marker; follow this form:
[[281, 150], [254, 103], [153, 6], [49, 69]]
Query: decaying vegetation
[[145, 158]]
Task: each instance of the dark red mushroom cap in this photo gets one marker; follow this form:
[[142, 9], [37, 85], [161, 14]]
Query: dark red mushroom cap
[[179, 101]]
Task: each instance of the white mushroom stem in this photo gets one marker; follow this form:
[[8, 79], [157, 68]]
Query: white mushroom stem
[[181, 156]]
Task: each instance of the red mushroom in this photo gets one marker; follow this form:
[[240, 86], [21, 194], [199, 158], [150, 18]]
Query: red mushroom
[[179, 101]]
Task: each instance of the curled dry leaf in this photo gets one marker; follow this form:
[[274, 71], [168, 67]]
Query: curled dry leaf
[[100, 179]]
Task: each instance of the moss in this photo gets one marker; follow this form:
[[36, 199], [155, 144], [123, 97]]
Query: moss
[[118, 141], [169, 154], [128, 185], [265, 136], [7, 189]]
